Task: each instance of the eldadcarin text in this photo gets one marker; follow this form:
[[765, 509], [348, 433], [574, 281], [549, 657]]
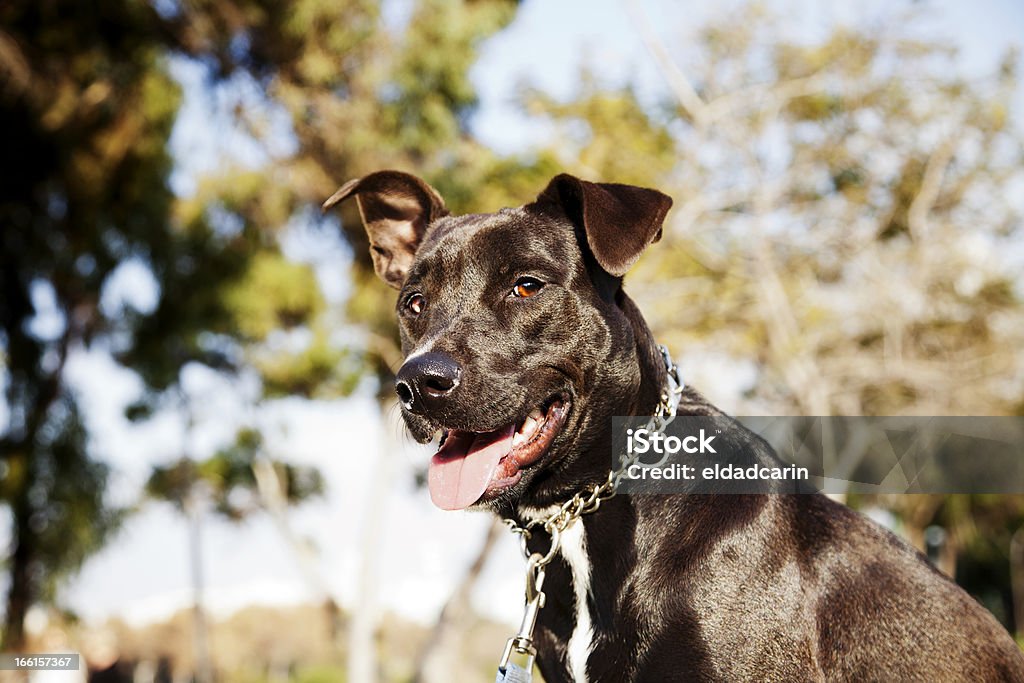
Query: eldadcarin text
[[642, 441]]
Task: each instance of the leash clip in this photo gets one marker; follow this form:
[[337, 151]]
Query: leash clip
[[522, 642]]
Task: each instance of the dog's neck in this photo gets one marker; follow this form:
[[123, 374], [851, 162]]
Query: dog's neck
[[653, 373]]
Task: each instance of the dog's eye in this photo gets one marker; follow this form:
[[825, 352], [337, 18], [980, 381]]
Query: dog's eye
[[526, 287], [415, 303]]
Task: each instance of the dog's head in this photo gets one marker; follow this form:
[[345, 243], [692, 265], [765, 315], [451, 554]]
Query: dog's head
[[517, 347]]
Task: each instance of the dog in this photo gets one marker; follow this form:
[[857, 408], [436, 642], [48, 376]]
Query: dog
[[520, 345]]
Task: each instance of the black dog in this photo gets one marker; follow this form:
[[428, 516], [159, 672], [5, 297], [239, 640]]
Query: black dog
[[520, 346]]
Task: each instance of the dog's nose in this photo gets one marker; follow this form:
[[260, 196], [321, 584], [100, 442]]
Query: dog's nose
[[424, 382]]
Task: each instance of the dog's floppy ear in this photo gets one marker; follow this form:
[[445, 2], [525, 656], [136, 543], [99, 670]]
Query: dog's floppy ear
[[396, 208], [620, 221]]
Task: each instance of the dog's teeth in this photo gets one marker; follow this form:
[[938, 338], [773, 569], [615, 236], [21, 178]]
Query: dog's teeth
[[531, 423], [528, 428]]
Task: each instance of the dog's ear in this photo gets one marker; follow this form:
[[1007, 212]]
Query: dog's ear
[[619, 221], [396, 208]]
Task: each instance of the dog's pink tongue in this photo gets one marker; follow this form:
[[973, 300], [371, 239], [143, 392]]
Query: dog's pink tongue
[[460, 471]]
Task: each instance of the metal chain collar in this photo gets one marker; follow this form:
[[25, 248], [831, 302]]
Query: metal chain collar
[[589, 500], [582, 503]]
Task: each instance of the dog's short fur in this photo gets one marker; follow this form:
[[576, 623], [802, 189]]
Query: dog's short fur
[[650, 588]]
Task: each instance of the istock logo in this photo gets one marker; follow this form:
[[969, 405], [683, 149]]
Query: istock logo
[[642, 441]]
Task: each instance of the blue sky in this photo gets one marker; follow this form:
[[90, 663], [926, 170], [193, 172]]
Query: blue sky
[[144, 573]]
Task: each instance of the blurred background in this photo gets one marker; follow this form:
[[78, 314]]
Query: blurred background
[[203, 475]]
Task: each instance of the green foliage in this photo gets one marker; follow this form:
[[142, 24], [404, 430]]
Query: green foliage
[[226, 481], [70, 516], [318, 370], [86, 108], [609, 131], [273, 294]]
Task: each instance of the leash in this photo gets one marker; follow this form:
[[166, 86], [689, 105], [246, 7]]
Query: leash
[[583, 503]]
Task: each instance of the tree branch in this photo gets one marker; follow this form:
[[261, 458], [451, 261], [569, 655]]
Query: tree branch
[[935, 170], [684, 91]]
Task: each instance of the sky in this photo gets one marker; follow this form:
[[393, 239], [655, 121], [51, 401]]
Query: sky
[[143, 575]]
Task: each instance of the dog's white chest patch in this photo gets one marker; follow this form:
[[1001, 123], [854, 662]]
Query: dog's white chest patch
[[574, 550]]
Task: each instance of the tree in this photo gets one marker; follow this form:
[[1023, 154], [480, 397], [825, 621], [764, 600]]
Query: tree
[[842, 212], [87, 106], [85, 112]]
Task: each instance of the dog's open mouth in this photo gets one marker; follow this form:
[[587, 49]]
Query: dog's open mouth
[[473, 465]]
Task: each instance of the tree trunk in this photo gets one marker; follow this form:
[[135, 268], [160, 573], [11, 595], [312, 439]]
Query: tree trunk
[[362, 646], [21, 593], [273, 495], [203, 665]]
